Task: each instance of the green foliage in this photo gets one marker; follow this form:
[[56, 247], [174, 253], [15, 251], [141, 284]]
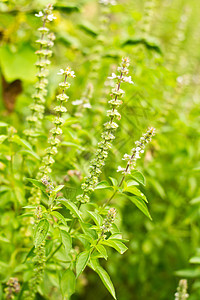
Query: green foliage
[[66, 218]]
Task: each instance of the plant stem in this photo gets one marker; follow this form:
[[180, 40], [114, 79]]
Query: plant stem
[[52, 254]]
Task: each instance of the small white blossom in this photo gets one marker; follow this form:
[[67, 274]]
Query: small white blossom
[[40, 14], [128, 79], [113, 76], [71, 74], [61, 72], [107, 2], [126, 156], [51, 17], [77, 102], [137, 155], [120, 169], [67, 72], [87, 105]]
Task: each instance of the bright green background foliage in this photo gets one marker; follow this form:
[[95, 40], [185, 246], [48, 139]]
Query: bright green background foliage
[[165, 70]]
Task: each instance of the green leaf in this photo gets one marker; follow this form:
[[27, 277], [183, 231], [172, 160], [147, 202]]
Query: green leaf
[[41, 232], [2, 124], [72, 207], [3, 137], [151, 44], [81, 262], [96, 218], [105, 278], [58, 188], [18, 63], [190, 273], [195, 201], [16, 139], [114, 181], [195, 260], [39, 184], [30, 152], [135, 191], [71, 41], [139, 177], [30, 254], [59, 216], [141, 205], [66, 240], [88, 27], [66, 7], [102, 250], [68, 284], [103, 185], [117, 245], [25, 215]]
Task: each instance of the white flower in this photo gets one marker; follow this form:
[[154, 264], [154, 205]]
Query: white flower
[[120, 169], [61, 72], [113, 76], [67, 72], [128, 79], [107, 2], [137, 155], [39, 15], [71, 74], [87, 105], [126, 156], [51, 17], [77, 102]]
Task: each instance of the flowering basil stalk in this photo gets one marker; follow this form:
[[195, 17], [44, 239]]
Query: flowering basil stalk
[[45, 42], [108, 134]]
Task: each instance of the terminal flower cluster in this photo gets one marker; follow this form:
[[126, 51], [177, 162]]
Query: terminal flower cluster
[[58, 121], [107, 136], [45, 42], [110, 218], [181, 293], [139, 149], [48, 160], [108, 2]]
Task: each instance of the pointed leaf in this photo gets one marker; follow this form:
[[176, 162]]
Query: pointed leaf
[[141, 205], [39, 184], [114, 181], [68, 284], [105, 278], [102, 250], [16, 139], [29, 152], [59, 216], [66, 240], [117, 245], [103, 185], [81, 262], [41, 232], [96, 218], [72, 207], [58, 188], [3, 137], [138, 176], [135, 191]]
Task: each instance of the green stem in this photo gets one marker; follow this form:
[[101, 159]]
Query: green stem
[[52, 254]]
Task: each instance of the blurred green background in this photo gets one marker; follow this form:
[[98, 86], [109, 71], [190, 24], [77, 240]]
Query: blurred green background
[[162, 39]]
